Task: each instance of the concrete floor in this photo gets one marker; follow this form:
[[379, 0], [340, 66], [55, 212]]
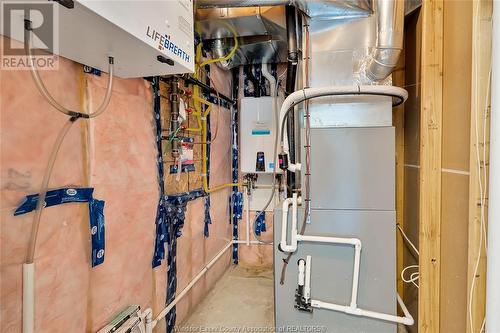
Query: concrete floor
[[241, 301]]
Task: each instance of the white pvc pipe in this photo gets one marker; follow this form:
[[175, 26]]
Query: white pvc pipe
[[248, 218], [292, 247], [308, 93], [355, 275], [294, 220], [331, 240], [150, 324], [349, 309], [302, 272], [493, 260], [247, 241], [183, 293], [148, 320], [28, 298], [406, 320], [307, 283], [270, 78], [284, 227], [252, 242], [352, 309], [356, 243]]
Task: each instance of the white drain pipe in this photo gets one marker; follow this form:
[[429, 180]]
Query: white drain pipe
[[247, 214], [271, 79], [493, 260], [304, 277], [29, 298], [184, 291]]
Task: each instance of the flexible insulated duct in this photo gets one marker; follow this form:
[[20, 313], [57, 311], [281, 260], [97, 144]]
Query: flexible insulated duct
[[390, 28]]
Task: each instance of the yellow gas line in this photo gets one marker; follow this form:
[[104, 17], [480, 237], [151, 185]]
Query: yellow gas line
[[198, 113], [202, 116], [204, 173], [229, 55]]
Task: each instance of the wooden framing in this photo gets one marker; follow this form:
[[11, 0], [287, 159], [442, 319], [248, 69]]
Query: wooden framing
[[481, 62], [398, 122], [430, 166]]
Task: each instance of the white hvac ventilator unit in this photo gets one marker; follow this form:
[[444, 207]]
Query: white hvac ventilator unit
[[145, 38]]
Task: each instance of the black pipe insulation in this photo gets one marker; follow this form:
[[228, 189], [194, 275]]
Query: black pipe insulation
[[293, 58], [206, 88], [254, 80]]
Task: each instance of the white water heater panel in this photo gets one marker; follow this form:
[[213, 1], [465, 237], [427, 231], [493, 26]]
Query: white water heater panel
[[257, 134]]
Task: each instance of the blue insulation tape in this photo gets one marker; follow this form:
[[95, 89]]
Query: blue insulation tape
[[96, 211], [236, 197], [68, 195], [260, 223], [55, 197], [170, 216]]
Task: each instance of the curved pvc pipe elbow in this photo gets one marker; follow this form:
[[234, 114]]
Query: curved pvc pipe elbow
[[309, 93], [284, 246], [356, 242], [269, 77]]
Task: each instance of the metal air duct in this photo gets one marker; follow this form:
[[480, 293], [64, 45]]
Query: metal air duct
[[319, 9], [390, 28]]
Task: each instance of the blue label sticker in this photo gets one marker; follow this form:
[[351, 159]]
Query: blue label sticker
[[271, 165], [261, 132]]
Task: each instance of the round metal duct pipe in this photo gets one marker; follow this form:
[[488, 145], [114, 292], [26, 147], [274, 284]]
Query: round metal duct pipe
[[390, 31]]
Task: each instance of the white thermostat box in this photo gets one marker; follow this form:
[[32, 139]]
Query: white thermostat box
[[135, 32], [257, 134]]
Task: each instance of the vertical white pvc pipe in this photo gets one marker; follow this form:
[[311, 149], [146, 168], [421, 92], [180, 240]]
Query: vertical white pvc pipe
[[284, 223], [302, 271], [270, 78], [294, 221], [307, 283], [29, 298], [355, 275], [248, 218], [493, 266]]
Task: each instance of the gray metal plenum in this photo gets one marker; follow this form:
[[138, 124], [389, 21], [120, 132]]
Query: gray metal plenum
[[390, 28], [261, 33], [318, 9], [260, 25]]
